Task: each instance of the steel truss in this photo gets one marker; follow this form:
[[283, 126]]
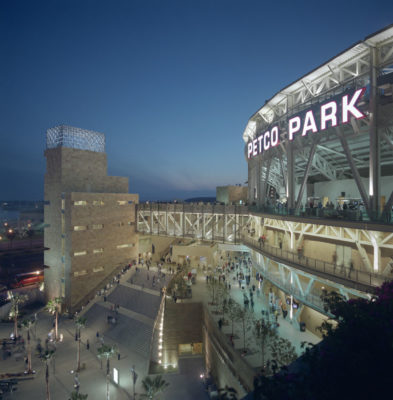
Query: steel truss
[[304, 287], [347, 152], [296, 232], [204, 222]]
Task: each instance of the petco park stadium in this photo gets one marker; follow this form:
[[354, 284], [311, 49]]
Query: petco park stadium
[[320, 188]]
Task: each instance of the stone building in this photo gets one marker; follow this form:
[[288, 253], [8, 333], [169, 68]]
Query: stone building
[[89, 216]]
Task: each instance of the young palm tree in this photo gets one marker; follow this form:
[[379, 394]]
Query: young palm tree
[[80, 322], [53, 307], [16, 301], [107, 352], [153, 386], [46, 357], [27, 324]]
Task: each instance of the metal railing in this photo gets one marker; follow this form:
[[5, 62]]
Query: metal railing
[[326, 213], [310, 299], [205, 208], [313, 265]]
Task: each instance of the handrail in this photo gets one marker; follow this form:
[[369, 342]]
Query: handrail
[[341, 272]]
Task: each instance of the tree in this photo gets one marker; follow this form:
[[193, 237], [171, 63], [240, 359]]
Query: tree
[[233, 312], [16, 301], [46, 358], [213, 288], [153, 387], [27, 325], [107, 352], [246, 318], [356, 350], [78, 396], [80, 322], [265, 334], [54, 306], [223, 295], [282, 352]]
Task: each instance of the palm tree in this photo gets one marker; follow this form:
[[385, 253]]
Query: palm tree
[[27, 325], [53, 307], [153, 386], [16, 301], [107, 352], [46, 357], [80, 322], [78, 396]]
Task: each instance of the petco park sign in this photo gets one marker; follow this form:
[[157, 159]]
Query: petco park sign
[[333, 113]]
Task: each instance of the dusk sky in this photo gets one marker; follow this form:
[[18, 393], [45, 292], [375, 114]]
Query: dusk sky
[[170, 83]]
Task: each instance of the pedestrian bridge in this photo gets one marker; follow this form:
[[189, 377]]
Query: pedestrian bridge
[[280, 256]]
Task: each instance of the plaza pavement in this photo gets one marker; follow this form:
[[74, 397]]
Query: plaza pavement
[[131, 334], [138, 304]]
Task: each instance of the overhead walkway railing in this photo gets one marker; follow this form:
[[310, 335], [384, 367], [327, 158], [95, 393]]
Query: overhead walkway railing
[[205, 208], [361, 280], [326, 214]]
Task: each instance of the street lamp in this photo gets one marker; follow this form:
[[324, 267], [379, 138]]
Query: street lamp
[[134, 377]]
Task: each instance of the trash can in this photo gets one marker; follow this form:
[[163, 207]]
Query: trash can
[[302, 327]]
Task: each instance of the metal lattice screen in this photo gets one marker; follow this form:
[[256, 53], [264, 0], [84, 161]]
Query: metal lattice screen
[[76, 138]]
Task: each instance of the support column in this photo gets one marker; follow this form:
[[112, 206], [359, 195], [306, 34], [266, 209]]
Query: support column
[[258, 177], [375, 168], [262, 194], [290, 176], [306, 172]]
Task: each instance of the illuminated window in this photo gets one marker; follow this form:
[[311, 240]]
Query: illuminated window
[[96, 251], [97, 226], [79, 228], [121, 202], [80, 203], [80, 273], [98, 269], [80, 253], [98, 203], [123, 246]]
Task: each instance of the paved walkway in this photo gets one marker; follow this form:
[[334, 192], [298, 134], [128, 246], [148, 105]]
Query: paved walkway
[[286, 329], [131, 333]]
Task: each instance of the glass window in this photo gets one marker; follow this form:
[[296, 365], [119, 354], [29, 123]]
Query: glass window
[[97, 226]]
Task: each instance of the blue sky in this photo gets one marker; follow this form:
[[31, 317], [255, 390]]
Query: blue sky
[[170, 83]]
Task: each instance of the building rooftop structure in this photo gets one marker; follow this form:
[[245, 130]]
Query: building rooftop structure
[[75, 138]]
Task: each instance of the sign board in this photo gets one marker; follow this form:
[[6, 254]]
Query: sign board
[[334, 112]]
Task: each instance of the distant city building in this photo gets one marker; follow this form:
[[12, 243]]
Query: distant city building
[[89, 216], [232, 194]]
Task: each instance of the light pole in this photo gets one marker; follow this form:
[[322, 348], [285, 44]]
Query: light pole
[[134, 376]]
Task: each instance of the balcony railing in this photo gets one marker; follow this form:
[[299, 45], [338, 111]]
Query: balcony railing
[[326, 214], [340, 273], [205, 208]]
